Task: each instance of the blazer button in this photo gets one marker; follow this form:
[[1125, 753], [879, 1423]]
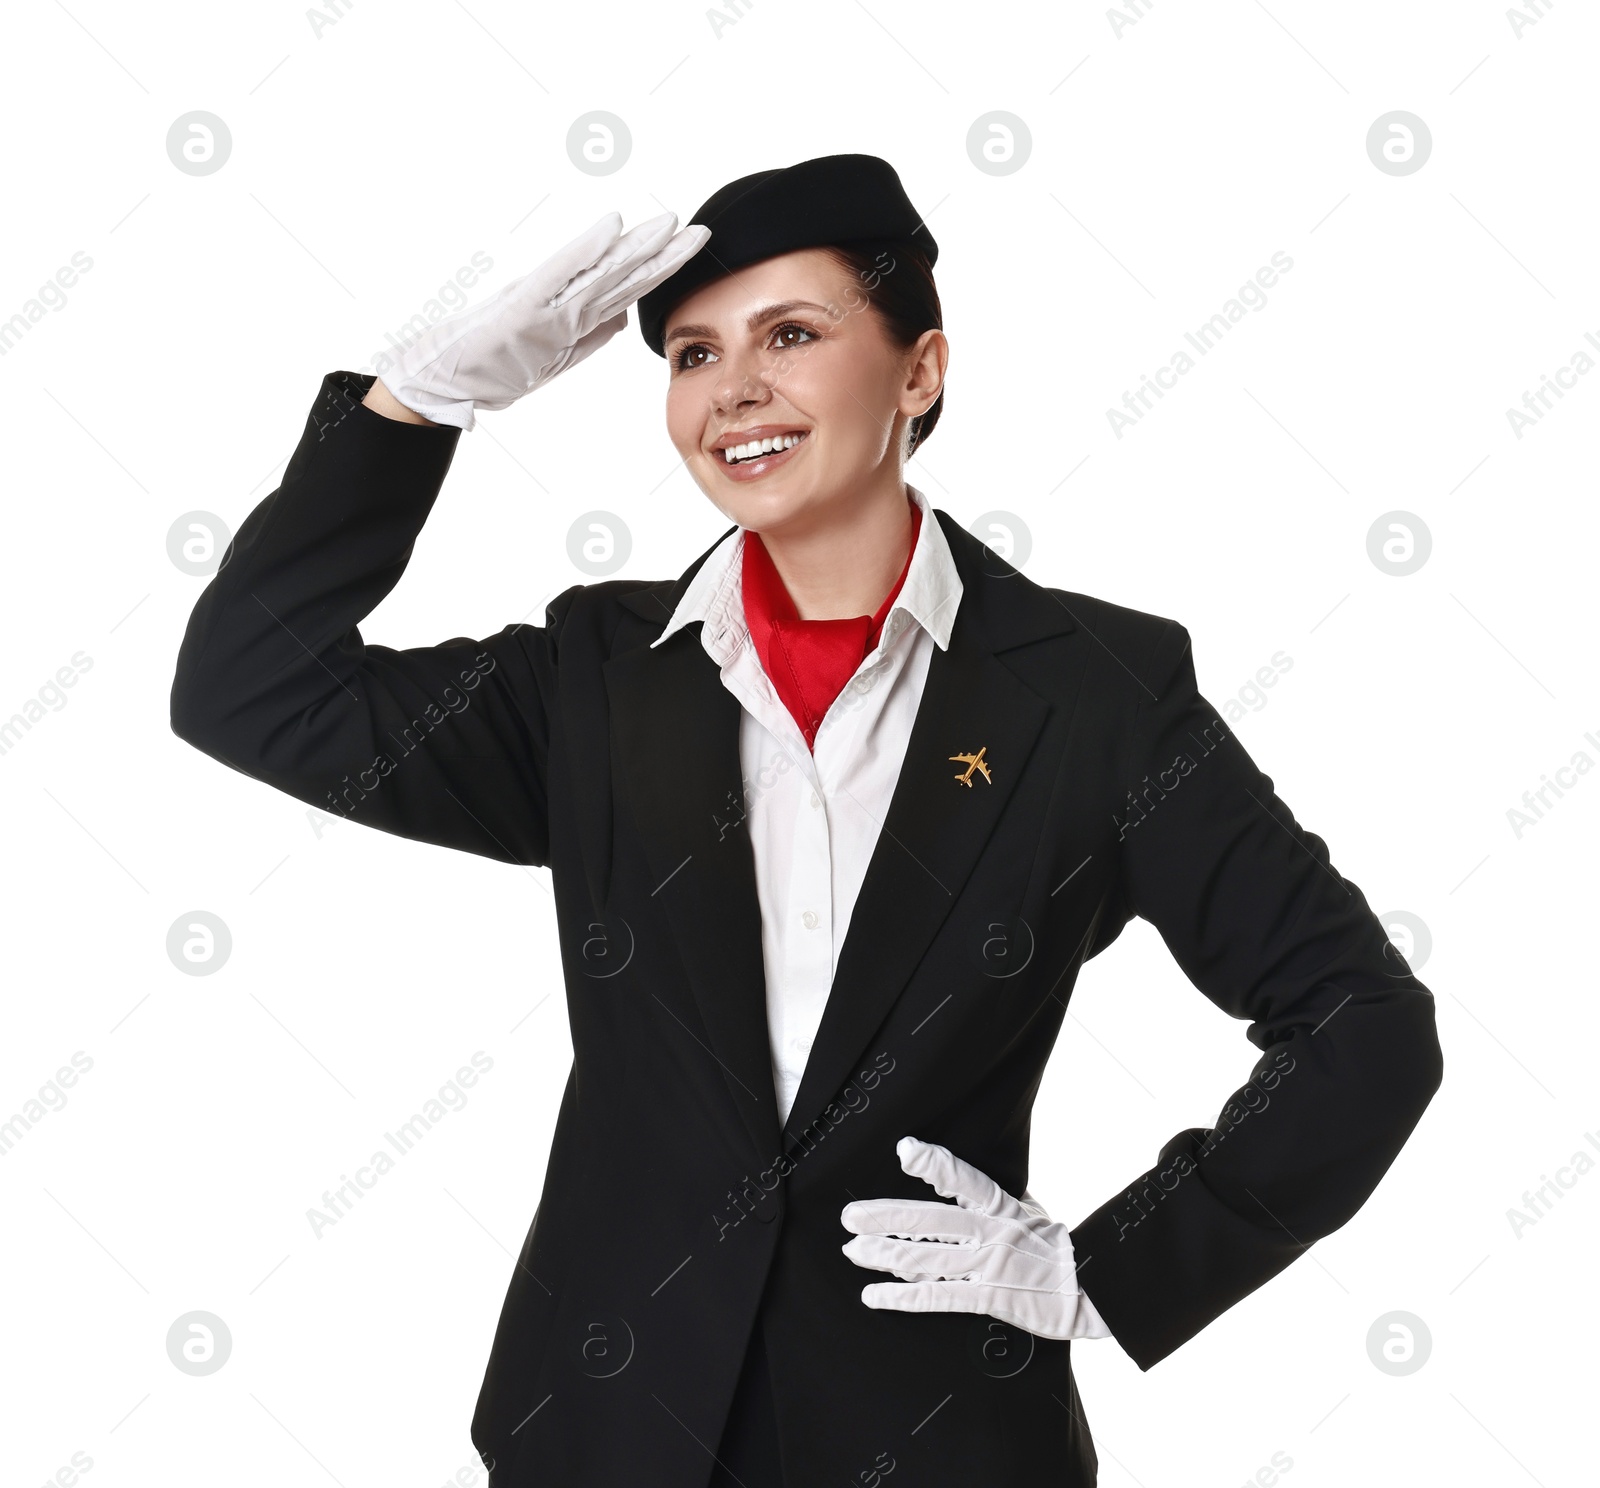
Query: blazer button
[[767, 1210]]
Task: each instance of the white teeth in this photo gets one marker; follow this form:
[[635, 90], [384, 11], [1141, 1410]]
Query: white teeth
[[760, 447]]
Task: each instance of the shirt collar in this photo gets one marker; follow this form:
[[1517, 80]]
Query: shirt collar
[[929, 597]]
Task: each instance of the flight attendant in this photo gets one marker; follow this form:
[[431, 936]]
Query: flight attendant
[[881, 717]]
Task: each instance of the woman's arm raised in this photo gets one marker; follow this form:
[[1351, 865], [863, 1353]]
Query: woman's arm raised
[[449, 743], [446, 744]]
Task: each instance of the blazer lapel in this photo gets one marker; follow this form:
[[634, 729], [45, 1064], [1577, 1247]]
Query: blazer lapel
[[675, 741], [936, 827], [675, 748]]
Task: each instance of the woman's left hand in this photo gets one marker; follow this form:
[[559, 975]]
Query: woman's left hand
[[987, 1253]]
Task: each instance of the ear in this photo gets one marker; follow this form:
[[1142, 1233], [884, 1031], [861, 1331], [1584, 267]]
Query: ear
[[926, 362]]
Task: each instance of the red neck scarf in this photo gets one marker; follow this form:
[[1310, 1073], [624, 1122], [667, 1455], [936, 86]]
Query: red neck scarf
[[808, 661]]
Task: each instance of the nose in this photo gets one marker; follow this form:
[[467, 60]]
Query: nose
[[745, 382]]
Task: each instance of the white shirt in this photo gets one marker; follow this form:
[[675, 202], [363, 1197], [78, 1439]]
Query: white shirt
[[814, 814]]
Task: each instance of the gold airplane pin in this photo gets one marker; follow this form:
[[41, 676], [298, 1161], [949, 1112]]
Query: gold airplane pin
[[972, 762]]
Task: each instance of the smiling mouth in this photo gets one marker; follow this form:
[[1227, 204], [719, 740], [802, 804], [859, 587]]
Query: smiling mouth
[[746, 454]]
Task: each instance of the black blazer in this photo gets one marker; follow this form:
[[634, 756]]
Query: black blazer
[[1116, 791]]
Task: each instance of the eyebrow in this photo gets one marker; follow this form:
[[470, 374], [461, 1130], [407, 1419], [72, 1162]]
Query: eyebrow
[[755, 318]]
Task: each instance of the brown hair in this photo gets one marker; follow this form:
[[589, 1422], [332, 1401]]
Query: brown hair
[[897, 280]]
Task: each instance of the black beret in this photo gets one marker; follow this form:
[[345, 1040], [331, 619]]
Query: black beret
[[834, 199]]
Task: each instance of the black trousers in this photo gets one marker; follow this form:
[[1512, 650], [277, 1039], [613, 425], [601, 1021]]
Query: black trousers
[[748, 1456]]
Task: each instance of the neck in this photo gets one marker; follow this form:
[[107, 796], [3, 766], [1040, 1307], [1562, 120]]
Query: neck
[[844, 567]]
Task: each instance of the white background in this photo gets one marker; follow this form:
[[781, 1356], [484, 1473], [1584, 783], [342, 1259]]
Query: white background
[[1170, 158]]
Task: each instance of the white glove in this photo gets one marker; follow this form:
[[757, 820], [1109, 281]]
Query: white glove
[[489, 355], [987, 1253]]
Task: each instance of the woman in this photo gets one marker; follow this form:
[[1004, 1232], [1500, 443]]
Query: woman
[[834, 819]]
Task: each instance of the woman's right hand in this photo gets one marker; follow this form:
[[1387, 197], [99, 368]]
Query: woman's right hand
[[533, 329]]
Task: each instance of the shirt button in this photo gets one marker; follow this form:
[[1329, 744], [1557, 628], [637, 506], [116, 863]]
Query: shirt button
[[800, 1045], [810, 919]]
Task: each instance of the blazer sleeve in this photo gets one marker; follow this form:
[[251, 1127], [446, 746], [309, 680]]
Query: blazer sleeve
[[447, 744], [1254, 912]]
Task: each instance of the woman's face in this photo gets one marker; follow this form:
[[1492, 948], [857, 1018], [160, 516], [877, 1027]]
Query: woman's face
[[789, 348]]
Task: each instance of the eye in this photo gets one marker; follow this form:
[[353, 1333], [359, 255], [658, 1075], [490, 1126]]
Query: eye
[[682, 357], [790, 325]]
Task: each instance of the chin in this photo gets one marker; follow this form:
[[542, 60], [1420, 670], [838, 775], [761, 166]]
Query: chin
[[758, 516], [763, 512], [757, 505]]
